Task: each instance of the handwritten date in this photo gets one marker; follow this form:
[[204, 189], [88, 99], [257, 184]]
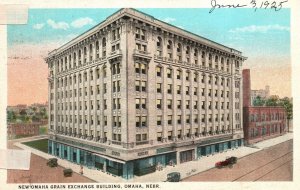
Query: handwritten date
[[255, 4]]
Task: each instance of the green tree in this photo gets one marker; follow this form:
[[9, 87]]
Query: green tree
[[258, 101], [23, 112], [11, 116], [272, 101], [288, 106]]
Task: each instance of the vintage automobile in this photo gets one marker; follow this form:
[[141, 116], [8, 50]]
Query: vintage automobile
[[173, 177], [228, 162], [52, 162], [68, 172]]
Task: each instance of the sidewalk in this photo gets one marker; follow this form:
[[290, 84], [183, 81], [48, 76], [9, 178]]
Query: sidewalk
[[273, 141], [186, 169]]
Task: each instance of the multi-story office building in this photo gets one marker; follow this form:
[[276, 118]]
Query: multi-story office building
[[134, 92]]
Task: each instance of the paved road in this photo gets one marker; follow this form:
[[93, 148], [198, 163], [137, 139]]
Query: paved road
[[39, 172], [272, 164]]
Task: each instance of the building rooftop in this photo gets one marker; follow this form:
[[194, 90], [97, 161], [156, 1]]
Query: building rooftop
[[136, 14]]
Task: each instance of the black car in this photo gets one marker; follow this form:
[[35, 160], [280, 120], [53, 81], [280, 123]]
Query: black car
[[173, 177]]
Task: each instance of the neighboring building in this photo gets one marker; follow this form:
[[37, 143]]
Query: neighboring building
[[260, 122], [22, 129], [263, 93], [134, 92], [18, 108]]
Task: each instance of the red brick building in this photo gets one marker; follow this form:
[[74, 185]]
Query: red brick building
[[260, 122], [21, 129]]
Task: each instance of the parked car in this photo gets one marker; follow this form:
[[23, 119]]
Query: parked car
[[52, 162], [173, 177], [228, 162], [68, 172]]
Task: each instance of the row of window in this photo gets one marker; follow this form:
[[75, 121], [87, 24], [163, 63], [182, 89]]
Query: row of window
[[188, 119], [255, 132], [116, 69], [266, 117], [179, 76], [91, 51], [188, 90], [188, 103], [189, 53], [83, 105]]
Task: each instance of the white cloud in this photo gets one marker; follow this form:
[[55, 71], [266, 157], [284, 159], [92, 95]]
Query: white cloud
[[58, 25], [78, 23], [169, 19], [38, 26], [262, 28]]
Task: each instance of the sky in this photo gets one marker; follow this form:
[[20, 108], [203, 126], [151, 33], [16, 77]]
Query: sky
[[263, 36]]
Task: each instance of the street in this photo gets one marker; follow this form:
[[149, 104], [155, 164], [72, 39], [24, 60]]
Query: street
[[271, 164], [40, 173]]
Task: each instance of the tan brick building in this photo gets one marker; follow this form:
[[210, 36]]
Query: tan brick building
[[134, 92]]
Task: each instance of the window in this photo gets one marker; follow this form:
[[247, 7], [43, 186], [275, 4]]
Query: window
[[178, 104], [179, 48], [188, 119], [116, 68], [158, 120], [179, 119], [137, 85], [140, 86], [196, 105], [116, 34], [158, 71], [169, 73], [158, 87], [158, 104], [105, 104], [187, 104], [104, 88], [169, 119], [140, 68], [159, 46], [178, 74], [195, 118], [159, 137], [178, 89], [144, 121], [187, 90], [143, 103], [187, 76], [137, 103], [140, 34], [143, 85], [169, 88], [169, 104], [195, 91], [195, 77]]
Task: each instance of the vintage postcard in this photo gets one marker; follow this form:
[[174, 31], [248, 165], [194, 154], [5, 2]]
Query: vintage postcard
[[102, 97]]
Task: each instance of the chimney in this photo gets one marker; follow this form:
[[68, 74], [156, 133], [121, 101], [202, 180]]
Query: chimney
[[246, 88]]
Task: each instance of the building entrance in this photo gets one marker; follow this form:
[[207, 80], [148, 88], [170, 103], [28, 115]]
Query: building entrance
[[186, 156]]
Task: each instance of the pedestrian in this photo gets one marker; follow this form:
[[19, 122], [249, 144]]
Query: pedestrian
[[81, 170]]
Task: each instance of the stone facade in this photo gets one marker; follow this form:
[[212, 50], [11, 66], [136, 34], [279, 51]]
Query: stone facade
[[134, 87]]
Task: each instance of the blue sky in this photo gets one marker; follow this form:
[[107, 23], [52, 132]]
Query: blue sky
[[263, 36], [254, 33]]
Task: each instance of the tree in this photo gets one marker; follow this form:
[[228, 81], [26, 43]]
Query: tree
[[288, 106], [272, 101], [23, 112], [11, 116], [258, 101]]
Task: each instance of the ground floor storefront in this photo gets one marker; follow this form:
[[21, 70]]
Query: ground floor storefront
[[129, 169]]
